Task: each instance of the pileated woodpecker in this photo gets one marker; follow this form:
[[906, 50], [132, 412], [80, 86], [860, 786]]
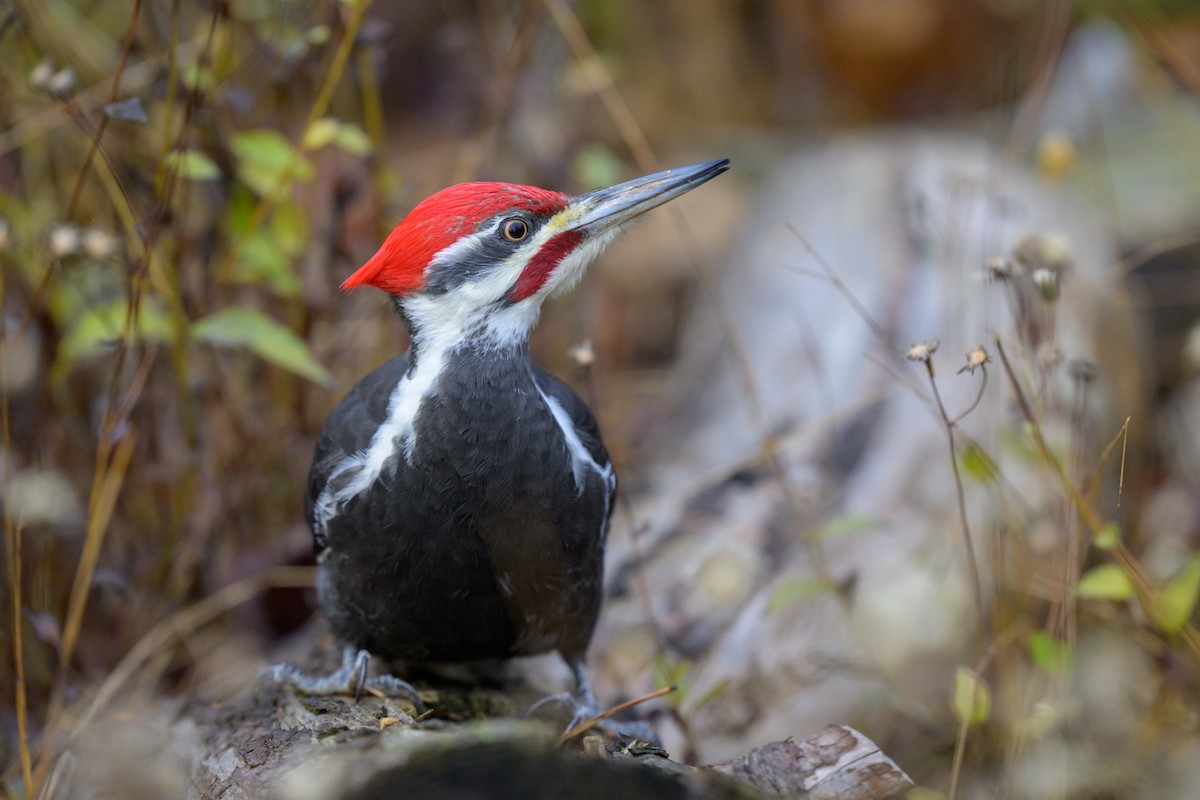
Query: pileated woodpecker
[[460, 495]]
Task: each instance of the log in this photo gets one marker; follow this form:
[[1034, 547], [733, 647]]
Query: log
[[839, 763]]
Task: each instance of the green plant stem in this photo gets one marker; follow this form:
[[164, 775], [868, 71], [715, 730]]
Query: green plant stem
[[372, 117], [172, 95]]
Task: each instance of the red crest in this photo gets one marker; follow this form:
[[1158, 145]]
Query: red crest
[[438, 222]]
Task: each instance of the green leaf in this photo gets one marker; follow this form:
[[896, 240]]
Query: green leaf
[[1109, 536], [1021, 444], [972, 698], [353, 140], [790, 591], [97, 328], [197, 78], [845, 524], [267, 162], [346, 135], [597, 166], [263, 336], [289, 229], [923, 793], [673, 673], [239, 210], [712, 694], [1173, 605], [978, 464], [193, 165], [1050, 654], [321, 133], [268, 254], [264, 262], [1105, 582]]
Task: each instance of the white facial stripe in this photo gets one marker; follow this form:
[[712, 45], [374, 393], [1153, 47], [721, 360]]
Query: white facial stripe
[[474, 304], [460, 250]]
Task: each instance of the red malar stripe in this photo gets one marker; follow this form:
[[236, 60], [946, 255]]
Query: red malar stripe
[[534, 276]]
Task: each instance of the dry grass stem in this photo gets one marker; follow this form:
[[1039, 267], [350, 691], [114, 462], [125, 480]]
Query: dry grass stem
[[185, 623], [602, 82], [588, 724]]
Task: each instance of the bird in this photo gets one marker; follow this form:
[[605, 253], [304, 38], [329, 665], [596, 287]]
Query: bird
[[460, 495]]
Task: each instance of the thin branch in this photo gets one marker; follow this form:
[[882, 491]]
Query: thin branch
[[333, 76], [975, 403], [112, 96], [972, 562]]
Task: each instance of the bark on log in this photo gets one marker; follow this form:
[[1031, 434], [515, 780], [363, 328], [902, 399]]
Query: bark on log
[[839, 763]]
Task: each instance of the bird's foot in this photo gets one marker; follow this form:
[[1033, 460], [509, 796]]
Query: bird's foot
[[581, 703], [581, 708], [350, 679]]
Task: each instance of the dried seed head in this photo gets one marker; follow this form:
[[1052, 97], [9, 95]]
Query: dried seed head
[[99, 244], [1083, 370], [582, 353], [1049, 356], [1055, 156], [1047, 282], [1056, 250], [61, 83], [976, 359], [1000, 268], [1045, 250], [922, 351], [39, 77], [64, 241]]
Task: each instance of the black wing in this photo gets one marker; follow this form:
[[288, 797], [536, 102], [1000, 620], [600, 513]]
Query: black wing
[[349, 430], [585, 425]]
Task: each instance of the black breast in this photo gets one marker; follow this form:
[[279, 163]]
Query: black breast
[[481, 543]]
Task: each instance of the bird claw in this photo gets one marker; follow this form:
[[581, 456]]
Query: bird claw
[[350, 679], [581, 709], [362, 659]]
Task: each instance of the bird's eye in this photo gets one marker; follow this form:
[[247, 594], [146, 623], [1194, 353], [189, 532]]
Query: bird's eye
[[514, 229]]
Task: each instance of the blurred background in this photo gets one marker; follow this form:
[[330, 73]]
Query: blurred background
[[183, 186]]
